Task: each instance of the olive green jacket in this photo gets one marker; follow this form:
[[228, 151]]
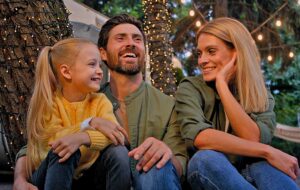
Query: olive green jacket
[[199, 107], [151, 114]]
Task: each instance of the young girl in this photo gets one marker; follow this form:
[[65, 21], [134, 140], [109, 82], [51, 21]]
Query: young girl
[[61, 143], [227, 117]]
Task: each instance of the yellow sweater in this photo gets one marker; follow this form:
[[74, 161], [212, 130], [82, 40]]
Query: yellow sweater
[[66, 118]]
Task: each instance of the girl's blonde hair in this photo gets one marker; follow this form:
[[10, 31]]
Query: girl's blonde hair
[[249, 81], [47, 80]]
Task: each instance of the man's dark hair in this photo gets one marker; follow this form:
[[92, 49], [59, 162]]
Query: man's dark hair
[[114, 21]]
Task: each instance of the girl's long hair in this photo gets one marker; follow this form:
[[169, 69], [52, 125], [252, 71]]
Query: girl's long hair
[[47, 81], [249, 81]]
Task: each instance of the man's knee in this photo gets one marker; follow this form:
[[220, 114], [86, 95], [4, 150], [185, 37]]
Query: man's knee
[[116, 155], [155, 175]]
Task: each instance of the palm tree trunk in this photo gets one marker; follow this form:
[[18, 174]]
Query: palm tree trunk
[[158, 27], [25, 27]]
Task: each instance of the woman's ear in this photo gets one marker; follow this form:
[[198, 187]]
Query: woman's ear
[[65, 71], [103, 54]]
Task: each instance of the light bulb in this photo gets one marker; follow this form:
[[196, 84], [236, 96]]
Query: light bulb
[[260, 37], [278, 23], [270, 58], [198, 23], [192, 13], [291, 54]]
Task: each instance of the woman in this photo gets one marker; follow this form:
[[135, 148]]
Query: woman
[[226, 114]]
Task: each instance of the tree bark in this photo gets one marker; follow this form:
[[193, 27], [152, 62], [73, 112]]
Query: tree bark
[[25, 28], [158, 27]]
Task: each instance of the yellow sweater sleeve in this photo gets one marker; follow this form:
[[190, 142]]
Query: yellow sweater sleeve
[[104, 111]]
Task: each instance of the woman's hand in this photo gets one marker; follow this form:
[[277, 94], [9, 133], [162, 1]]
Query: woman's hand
[[284, 162], [67, 145], [111, 130], [228, 71]]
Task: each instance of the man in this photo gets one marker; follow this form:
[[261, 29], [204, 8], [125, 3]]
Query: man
[[156, 147], [145, 113]]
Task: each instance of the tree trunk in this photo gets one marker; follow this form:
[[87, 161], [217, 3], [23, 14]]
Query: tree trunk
[[221, 8], [158, 27], [25, 28]]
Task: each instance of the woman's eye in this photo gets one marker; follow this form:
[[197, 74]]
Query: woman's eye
[[211, 51], [199, 54]]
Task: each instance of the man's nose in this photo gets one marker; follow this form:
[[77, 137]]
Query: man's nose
[[130, 42]]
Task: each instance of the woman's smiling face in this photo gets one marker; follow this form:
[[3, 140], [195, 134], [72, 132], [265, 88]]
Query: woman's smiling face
[[213, 55]]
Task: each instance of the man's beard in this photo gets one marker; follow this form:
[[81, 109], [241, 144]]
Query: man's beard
[[126, 69]]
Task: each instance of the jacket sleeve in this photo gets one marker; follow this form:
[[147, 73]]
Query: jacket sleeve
[[189, 110], [175, 141], [266, 121]]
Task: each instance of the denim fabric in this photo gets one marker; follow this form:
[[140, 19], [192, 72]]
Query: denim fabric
[[210, 169], [266, 177], [111, 171], [53, 175], [157, 179]]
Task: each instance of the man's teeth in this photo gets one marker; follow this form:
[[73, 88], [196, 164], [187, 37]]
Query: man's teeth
[[130, 55]]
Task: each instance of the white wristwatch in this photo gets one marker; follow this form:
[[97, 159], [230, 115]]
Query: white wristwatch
[[85, 124]]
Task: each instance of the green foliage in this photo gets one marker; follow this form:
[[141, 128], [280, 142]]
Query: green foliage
[[115, 7], [285, 86]]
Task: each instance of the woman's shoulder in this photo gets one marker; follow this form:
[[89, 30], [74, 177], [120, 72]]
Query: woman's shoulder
[[194, 82]]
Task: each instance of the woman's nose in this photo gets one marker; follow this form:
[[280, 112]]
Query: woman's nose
[[202, 60]]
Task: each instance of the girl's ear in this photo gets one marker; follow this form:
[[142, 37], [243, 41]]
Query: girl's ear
[[65, 71], [103, 54]]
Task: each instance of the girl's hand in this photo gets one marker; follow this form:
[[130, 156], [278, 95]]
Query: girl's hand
[[284, 162], [228, 71], [67, 145], [111, 130]]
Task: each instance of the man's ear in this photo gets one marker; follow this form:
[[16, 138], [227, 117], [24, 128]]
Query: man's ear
[[103, 54], [65, 71]]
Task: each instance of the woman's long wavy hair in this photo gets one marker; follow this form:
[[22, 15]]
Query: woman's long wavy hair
[[47, 81], [249, 81]]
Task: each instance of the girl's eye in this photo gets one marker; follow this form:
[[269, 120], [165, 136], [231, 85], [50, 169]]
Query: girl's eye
[[92, 63]]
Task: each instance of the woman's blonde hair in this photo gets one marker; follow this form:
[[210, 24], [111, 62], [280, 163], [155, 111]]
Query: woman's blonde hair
[[47, 80], [249, 81]]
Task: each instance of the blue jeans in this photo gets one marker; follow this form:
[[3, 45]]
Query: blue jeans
[[110, 171], [158, 179], [210, 169], [53, 175]]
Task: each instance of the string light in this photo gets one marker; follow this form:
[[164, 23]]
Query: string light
[[260, 37], [192, 13], [291, 54], [198, 23], [270, 58], [278, 23]]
